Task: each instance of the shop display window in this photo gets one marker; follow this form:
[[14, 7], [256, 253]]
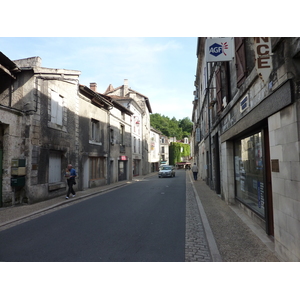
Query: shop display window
[[249, 173]]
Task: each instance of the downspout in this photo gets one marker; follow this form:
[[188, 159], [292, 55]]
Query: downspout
[[108, 156], [209, 131]]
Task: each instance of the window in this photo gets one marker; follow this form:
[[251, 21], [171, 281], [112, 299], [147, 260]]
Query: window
[[249, 173], [122, 135], [219, 90], [55, 169], [56, 108], [96, 167], [112, 137], [162, 149], [95, 131], [240, 55], [134, 145]]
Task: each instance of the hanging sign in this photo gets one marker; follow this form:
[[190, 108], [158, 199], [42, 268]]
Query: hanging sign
[[263, 61], [219, 49]]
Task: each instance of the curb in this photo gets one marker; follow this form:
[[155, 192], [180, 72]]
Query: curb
[[214, 251]]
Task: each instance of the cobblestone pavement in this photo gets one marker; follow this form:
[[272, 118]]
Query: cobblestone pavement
[[196, 245], [232, 230]]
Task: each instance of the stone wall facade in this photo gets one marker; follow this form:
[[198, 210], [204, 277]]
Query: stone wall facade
[[246, 134]]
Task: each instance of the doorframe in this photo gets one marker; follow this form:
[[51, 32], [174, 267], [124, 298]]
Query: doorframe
[[269, 214]]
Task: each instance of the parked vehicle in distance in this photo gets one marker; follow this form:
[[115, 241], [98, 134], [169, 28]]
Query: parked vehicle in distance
[[166, 171]]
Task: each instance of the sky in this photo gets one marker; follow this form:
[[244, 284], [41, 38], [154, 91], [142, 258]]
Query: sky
[[161, 68]]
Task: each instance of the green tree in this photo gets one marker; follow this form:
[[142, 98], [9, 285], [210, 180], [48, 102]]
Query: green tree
[[171, 127]]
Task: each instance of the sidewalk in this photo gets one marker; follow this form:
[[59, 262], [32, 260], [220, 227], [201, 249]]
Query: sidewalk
[[237, 237], [12, 215]]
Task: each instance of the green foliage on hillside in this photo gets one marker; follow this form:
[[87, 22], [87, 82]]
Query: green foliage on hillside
[[176, 151], [172, 127]]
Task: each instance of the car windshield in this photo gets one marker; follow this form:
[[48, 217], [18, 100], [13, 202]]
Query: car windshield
[[166, 168]]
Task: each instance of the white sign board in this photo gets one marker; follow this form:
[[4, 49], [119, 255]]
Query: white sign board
[[263, 53], [219, 49]]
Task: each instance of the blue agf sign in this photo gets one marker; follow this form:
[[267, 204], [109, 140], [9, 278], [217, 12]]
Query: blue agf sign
[[219, 49], [216, 49]]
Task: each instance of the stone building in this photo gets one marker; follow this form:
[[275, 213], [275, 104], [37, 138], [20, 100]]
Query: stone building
[[164, 149], [155, 149], [126, 95], [246, 131], [93, 138], [136, 123], [42, 140], [48, 120], [12, 129]]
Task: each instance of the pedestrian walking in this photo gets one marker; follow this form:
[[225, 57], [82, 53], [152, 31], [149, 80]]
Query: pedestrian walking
[[195, 171], [70, 175]]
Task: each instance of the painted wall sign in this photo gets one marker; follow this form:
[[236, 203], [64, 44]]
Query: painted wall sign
[[263, 60], [219, 49]]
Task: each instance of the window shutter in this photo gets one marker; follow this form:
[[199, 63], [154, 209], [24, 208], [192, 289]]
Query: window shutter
[[219, 90], [54, 167], [240, 60]]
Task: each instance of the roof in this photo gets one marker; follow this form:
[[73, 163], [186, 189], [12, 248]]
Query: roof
[[7, 67], [111, 89], [97, 99]]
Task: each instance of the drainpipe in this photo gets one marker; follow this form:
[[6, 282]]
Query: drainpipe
[[209, 131]]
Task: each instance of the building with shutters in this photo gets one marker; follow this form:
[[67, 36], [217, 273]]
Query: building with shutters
[[140, 104], [246, 132], [48, 120]]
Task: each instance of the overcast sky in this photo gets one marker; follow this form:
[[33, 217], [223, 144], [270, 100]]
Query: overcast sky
[[162, 68]]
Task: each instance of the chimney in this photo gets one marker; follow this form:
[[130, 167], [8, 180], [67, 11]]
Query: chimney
[[125, 90], [93, 86]]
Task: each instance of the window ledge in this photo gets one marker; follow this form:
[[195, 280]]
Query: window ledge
[[95, 143], [56, 186], [57, 126]]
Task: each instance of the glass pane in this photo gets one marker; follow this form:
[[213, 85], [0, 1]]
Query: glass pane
[[249, 179]]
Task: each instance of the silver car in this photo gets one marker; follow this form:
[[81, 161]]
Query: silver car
[[166, 171]]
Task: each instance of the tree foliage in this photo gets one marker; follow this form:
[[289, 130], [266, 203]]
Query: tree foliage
[[172, 127], [177, 151]]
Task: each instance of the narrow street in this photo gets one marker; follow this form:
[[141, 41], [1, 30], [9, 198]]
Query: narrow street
[[139, 222], [150, 219]]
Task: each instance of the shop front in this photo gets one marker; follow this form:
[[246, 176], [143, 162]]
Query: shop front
[[251, 175]]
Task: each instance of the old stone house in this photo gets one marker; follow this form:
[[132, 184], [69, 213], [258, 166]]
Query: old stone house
[[93, 138], [155, 149], [246, 131], [46, 131], [164, 149], [140, 105], [136, 122], [48, 120]]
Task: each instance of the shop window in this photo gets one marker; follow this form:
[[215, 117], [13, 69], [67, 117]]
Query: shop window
[[249, 173]]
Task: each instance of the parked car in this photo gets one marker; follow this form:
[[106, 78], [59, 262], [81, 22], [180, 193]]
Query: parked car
[[166, 171]]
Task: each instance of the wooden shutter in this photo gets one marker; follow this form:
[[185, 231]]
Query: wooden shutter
[[219, 90], [54, 167], [240, 60]]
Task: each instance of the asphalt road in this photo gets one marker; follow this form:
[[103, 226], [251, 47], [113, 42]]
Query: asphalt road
[[141, 222]]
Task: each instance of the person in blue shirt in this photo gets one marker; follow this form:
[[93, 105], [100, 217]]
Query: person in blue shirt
[[70, 174]]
